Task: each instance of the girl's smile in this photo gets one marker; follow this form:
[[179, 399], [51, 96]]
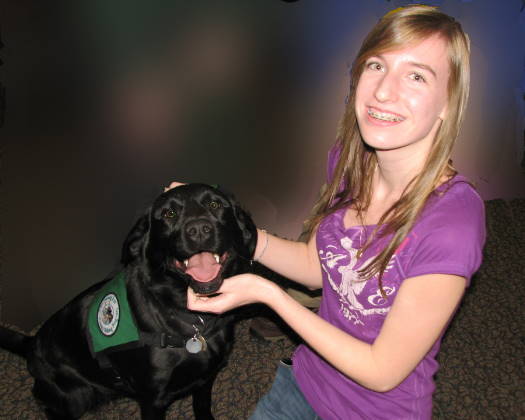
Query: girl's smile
[[379, 117]]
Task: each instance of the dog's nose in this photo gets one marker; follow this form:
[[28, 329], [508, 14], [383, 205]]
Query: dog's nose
[[198, 229]]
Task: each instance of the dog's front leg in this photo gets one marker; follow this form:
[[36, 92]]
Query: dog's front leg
[[202, 401], [150, 411]]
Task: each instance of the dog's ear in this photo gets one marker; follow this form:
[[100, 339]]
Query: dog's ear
[[248, 231], [135, 243]]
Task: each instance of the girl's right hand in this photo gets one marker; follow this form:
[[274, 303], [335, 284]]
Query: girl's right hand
[[235, 291]]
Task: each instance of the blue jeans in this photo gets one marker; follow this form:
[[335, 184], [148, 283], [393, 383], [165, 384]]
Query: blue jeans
[[285, 400]]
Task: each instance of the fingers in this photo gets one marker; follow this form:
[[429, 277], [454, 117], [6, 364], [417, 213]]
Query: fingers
[[232, 294], [239, 290], [174, 184], [206, 304]]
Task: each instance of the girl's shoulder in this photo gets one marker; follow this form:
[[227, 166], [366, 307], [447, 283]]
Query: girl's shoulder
[[456, 197], [449, 236], [455, 213], [333, 157]]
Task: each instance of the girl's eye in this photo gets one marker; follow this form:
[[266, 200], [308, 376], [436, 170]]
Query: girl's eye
[[214, 205], [374, 66], [417, 77], [169, 213]]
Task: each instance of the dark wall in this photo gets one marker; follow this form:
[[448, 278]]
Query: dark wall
[[109, 101]]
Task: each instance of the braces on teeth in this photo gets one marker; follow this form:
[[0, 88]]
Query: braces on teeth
[[383, 116]]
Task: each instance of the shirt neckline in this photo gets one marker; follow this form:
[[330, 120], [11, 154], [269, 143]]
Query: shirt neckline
[[341, 213]]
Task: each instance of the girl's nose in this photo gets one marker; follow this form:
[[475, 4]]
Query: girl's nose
[[387, 89]]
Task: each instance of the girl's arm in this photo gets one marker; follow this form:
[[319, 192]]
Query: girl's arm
[[297, 261], [420, 312]]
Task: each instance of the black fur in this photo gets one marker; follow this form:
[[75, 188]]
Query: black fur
[[181, 222]]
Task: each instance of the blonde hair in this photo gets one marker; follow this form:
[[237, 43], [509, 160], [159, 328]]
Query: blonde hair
[[351, 184]]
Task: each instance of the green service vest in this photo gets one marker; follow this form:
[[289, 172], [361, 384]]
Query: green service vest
[[110, 320]]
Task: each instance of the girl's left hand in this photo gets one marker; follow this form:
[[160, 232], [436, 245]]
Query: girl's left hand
[[235, 291], [173, 185]]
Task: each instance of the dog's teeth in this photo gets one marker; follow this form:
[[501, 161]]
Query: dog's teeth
[[217, 258], [186, 263]]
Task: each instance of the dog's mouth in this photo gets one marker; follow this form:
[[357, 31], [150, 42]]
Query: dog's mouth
[[205, 270]]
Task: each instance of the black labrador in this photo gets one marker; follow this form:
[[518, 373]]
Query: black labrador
[[131, 334]]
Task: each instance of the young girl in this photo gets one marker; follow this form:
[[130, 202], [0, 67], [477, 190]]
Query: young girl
[[396, 238]]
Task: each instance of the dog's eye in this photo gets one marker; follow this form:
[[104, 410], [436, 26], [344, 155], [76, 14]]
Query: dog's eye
[[169, 213], [214, 205]]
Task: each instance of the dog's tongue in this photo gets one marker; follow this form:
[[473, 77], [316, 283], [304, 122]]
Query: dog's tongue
[[203, 267]]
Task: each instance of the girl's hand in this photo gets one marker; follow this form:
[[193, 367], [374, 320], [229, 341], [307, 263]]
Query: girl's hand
[[236, 291], [173, 185]]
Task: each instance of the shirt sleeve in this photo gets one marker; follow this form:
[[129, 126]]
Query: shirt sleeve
[[451, 240]]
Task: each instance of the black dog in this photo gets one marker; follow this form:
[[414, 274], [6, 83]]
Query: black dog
[[132, 334]]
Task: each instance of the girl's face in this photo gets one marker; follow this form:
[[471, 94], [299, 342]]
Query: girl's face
[[401, 96]]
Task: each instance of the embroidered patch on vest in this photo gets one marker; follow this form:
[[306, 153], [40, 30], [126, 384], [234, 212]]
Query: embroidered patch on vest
[[108, 315], [110, 320]]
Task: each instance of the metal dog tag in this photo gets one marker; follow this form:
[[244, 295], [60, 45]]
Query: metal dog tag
[[193, 345], [196, 344], [203, 342]]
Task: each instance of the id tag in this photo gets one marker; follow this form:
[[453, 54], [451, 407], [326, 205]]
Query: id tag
[[196, 344]]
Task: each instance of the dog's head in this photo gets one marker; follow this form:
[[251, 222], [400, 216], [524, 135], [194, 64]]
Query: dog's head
[[195, 231]]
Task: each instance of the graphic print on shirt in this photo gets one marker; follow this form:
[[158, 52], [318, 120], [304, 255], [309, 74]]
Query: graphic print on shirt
[[350, 287]]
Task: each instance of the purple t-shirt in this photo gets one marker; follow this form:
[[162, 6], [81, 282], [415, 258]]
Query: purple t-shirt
[[447, 239]]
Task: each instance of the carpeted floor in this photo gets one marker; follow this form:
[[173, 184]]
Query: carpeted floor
[[238, 387]]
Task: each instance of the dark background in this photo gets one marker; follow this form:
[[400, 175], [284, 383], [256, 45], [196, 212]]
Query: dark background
[[108, 101]]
